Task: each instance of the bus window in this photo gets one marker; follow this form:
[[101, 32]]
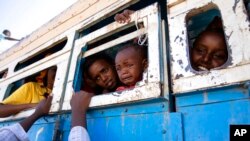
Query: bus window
[[207, 44], [36, 57], [3, 74], [93, 78], [247, 5], [44, 87], [108, 40], [107, 55], [105, 21], [186, 25]]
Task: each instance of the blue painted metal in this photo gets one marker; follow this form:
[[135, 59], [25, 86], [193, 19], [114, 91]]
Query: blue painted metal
[[140, 121], [200, 115], [78, 72], [210, 113]]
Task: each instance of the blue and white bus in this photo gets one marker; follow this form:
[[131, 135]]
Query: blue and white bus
[[172, 102]]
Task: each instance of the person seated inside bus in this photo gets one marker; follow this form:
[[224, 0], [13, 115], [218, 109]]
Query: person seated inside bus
[[100, 68], [28, 95], [130, 63], [209, 50], [4, 74], [88, 85]]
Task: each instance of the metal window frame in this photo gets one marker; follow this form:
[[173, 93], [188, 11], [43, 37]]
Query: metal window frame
[[150, 86], [237, 35]]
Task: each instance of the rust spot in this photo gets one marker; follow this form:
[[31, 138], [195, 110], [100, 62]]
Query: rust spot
[[176, 38], [180, 62], [228, 37], [235, 4], [212, 77], [181, 39], [178, 76]]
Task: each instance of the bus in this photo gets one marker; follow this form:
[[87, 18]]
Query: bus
[[172, 101]]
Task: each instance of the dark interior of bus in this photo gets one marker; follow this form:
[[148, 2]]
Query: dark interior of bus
[[247, 5], [40, 55], [3, 73]]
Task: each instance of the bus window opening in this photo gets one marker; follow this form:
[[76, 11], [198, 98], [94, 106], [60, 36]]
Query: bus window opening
[[115, 69], [3, 74], [49, 51], [208, 47], [30, 93]]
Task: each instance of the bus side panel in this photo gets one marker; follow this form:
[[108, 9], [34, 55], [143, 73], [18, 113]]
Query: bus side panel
[[41, 130], [210, 119], [133, 122]]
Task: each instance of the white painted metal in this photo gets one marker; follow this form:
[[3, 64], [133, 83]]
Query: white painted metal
[[236, 29], [151, 89], [78, 16]]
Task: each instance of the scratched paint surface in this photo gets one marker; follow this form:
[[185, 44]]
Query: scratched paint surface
[[209, 113], [136, 121], [236, 28]]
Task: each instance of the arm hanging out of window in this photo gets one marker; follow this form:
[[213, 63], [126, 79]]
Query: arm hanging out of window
[[79, 103], [18, 132]]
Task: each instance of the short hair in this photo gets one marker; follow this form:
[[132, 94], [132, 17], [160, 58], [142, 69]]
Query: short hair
[[140, 49], [92, 59]]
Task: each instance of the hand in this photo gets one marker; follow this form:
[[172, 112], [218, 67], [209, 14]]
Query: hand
[[80, 101], [44, 106], [124, 17]]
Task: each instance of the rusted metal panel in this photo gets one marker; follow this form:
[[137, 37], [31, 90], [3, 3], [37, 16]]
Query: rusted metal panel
[[236, 27]]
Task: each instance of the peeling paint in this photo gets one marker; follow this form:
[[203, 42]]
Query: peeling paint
[[228, 36], [235, 4], [178, 76], [176, 38], [39, 132]]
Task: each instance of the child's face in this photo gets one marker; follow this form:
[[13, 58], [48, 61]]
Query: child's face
[[103, 74], [129, 66], [209, 51]]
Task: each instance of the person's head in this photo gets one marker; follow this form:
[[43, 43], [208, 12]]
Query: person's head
[[100, 68], [51, 73], [209, 50], [130, 63], [5, 74], [43, 73]]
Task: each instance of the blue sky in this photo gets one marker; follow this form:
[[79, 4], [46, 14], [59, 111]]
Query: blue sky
[[22, 17]]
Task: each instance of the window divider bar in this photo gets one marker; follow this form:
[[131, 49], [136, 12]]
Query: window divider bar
[[114, 42]]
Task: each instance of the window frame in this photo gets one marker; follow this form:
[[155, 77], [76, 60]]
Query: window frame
[[58, 59], [184, 78], [152, 86]]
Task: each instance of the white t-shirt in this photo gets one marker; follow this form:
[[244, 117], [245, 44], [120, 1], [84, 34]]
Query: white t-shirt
[[78, 133], [14, 132]]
